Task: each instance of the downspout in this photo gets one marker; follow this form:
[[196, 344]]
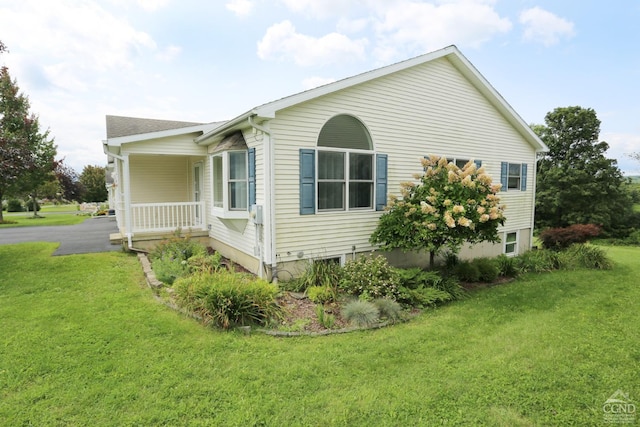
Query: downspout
[[533, 197], [270, 196], [127, 194]]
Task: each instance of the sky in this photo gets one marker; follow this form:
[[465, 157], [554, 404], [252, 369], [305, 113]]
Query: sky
[[206, 61]]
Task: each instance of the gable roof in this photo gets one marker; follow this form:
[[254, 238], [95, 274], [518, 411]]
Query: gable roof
[[118, 126], [451, 53]]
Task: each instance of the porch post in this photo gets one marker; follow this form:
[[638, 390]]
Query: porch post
[[127, 199]]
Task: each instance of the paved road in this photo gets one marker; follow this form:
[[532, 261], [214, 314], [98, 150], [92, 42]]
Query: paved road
[[90, 236]]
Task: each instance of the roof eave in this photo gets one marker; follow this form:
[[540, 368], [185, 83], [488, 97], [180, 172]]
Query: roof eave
[[118, 141]]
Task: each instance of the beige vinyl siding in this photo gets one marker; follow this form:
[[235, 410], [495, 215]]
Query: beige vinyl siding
[[180, 145], [236, 233], [157, 179], [427, 109]]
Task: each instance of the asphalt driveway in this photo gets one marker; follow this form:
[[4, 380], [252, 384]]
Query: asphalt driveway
[[90, 236]]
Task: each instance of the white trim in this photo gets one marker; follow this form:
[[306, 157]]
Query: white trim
[[451, 53], [225, 211], [118, 141]]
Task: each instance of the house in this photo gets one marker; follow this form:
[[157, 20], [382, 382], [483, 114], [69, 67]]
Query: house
[[306, 177]]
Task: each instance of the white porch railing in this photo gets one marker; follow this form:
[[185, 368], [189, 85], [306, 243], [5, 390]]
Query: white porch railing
[[151, 217]]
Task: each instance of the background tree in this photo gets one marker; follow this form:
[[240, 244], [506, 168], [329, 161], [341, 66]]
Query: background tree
[[448, 207], [93, 179], [576, 183], [68, 181], [15, 155], [42, 162]]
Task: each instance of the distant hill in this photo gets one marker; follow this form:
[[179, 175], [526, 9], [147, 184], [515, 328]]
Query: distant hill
[[634, 178]]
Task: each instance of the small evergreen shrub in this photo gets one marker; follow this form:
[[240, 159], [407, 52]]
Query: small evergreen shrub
[[370, 277], [414, 281], [563, 237], [228, 299], [361, 313], [388, 309], [15, 205], [427, 297], [487, 269], [320, 294], [467, 271]]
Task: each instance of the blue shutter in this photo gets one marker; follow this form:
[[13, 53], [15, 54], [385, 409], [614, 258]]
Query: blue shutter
[[252, 176], [523, 178], [504, 175], [381, 181], [307, 181], [478, 163]]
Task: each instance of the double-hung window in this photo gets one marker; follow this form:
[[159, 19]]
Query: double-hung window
[[345, 180], [513, 176], [511, 243], [233, 178]]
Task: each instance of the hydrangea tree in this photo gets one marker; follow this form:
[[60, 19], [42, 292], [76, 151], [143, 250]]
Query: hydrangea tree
[[444, 209]]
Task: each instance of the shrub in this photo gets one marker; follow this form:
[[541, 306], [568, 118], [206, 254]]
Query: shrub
[[538, 261], [325, 319], [427, 297], [563, 237], [361, 313], [30, 205], [586, 256], [205, 263], [227, 299], [178, 248], [487, 269], [15, 205], [413, 281], [370, 277], [320, 294], [388, 309], [167, 270], [507, 266], [467, 271], [320, 272], [413, 278]]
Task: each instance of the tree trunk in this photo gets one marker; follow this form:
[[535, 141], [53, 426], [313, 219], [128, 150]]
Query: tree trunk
[[432, 256]]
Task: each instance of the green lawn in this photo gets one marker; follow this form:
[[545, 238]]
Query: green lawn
[[26, 219], [83, 342]]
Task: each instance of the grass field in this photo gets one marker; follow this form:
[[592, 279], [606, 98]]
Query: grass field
[[49, 215], [85, 343]]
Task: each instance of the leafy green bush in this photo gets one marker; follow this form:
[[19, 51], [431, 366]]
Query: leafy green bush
[[205, 263], [586, 256], [361, 313], [507, 266], [421, 288], [467, 271], [487, 269], [427, 297], [30, 205], [167, 270], [226, 299], [320, 272], [388, 309], [320, 294], [327, 320], [178, 248], [538, 261], [370, 277], [15, 205]]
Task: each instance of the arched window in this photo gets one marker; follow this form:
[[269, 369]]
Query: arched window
[[345, 178]]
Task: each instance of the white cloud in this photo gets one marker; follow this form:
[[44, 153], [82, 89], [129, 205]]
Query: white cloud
[[152, 5], [240, 7], [283, 42], [407, 27], [545, 27], [319, 9], [313, 82], [620, 146], [170, 53]]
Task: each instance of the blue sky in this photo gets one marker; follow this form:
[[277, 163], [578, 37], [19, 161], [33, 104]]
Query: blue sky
[[207, 61]]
